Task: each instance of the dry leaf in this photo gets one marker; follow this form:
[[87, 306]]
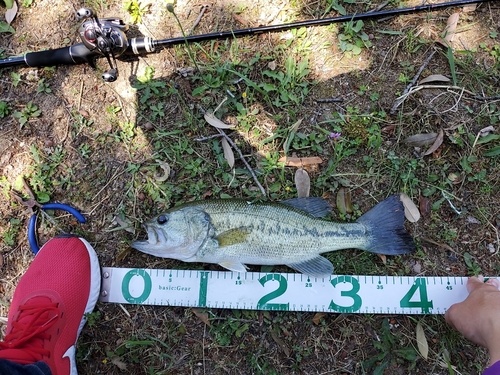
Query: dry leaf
[[215, 122], [469, 8], [411, 211], [437, 143], [317, 317], [281, 343], [292, 161], [423, 347], [434, 78], [166, 171], [451, 27], [419, 140], [240, 19], [119, 363], [425, 206], [486, 131], [203, 316], [344, 204], [10, 14], [302, 183], [228, 152], [383, 258]]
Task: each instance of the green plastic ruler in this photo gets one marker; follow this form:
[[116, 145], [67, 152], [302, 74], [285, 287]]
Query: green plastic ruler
[[282, 291]]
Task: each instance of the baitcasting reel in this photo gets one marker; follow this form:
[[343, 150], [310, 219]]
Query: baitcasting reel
[[106, 36]]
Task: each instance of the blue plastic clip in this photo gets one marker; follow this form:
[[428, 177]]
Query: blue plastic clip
[[50, 206]]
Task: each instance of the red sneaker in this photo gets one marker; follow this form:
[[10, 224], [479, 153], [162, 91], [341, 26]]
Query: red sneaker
[[49, 305]]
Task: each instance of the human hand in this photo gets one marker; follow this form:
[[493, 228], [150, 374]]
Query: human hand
[[478, 316]]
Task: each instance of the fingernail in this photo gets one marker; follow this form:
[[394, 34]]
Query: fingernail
[[494, 282]]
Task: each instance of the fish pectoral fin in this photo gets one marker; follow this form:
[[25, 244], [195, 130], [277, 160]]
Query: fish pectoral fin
[[233, 265], [316, 267], [232, 236]]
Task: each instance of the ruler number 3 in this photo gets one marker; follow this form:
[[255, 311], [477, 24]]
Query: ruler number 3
[[405, 302]]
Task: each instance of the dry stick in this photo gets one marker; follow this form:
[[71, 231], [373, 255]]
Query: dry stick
[[401, 99], [233, 145], [202, 12]]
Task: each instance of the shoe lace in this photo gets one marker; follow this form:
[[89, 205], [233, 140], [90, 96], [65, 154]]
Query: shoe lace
[[29, 330]]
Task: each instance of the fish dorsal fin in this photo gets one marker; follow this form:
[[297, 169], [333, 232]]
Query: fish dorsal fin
[[316, 267], [232, 236], [233, 265], [314, 206]]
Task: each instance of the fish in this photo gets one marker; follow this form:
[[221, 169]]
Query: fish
[[234, 233]]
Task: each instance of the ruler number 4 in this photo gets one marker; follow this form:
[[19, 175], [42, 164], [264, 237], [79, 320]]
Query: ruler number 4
[[423, 301]]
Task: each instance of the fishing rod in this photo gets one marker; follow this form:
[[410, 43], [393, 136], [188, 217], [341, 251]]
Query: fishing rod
[[107, 38]]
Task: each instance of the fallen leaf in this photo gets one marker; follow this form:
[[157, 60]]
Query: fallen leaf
[[424, 205], [293, 161], [10, 14], [317, 317], [215, 122], [228, 152], [411, 211], [451, 27], [469, 8], [434, 78], [417, 268], [272, 65], [281, 343], [486, 131], [125, 224], [203, 316], [166, 171], [240, 19], [302, 183], [419, 140], [119, 363], [437, 143], [383, 258], [344, 204], [423, 347]]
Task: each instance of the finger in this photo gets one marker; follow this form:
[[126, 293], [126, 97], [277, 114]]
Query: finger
[[493, 282], [474, 282]]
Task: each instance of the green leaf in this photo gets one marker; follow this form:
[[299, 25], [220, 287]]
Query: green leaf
[[6, 28], [9, 3], [495, 151], [488, 138]]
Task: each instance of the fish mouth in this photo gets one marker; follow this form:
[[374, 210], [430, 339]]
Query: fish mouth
[[155, 237]]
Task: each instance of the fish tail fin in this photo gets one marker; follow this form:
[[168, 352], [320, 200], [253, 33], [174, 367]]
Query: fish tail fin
[[385, 224]]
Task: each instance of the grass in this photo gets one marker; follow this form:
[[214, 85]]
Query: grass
[[108, 155]]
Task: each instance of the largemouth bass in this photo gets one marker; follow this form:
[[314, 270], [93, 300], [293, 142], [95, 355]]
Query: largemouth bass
[[233, 233]]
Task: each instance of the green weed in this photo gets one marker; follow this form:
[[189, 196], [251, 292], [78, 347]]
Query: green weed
[[5, 109], [136, 9], [390, 352], [29, 112]]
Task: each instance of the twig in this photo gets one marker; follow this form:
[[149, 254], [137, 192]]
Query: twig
[[202, 12], [233, 145], [399, 101], [329, 100]]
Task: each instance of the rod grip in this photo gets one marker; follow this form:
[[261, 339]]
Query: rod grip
[[73, 55]]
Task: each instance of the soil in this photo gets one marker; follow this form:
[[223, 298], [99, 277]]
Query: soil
[[79, 149]]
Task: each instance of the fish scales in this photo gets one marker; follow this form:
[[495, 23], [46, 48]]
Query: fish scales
[[233, 233], [277, 230]]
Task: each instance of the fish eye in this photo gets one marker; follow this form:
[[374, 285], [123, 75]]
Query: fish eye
[[162, 219]]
